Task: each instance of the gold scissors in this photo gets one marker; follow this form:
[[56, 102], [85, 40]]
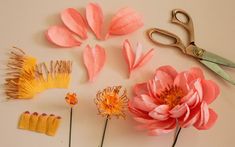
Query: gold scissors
[[210, 60]]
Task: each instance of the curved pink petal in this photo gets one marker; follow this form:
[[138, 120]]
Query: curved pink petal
[[144, 59], [169, 70], [203, 116], [143, 102], [94, 59], [74, 21], [156, 132], [192, 118], [164, 79], [140, 88], [212, 119], [124, 22], [60, 36], [128, 53], [181, 81], [196, 73], [191, 99], [95, 18], [178, 111], [160, 112], [197, 85], [210, 91]]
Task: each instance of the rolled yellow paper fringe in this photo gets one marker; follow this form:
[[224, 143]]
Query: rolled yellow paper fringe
[[33, 121], [40, 123], [24, 120], [53, 125]]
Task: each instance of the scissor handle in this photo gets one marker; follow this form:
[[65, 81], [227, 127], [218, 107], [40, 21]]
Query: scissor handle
[[188, 25], [163, 33]]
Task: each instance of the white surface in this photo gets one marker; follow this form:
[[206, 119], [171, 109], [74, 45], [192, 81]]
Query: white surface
[[23, 23]]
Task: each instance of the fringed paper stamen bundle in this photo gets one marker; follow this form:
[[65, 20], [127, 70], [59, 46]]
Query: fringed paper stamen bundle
[[27, 78]]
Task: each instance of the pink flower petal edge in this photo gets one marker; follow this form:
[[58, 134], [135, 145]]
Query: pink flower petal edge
[[95, 18], [137, 59], [74, 21], [94, 59], [61, 36], [124, 22], [171, 97]]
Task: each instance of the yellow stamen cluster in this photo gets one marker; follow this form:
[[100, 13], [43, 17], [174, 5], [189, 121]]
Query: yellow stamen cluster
[[110, 102], [171, 95]]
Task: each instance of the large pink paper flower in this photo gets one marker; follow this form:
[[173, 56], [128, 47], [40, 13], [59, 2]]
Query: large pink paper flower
[[172, 98]]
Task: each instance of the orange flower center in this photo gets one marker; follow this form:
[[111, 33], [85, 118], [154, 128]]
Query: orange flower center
[[171, 95]]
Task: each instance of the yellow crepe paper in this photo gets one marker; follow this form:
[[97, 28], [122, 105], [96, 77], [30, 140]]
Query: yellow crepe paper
[[26, 78], [40, 123]]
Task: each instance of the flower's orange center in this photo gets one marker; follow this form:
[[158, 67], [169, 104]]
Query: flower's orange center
[[171, 95], [111, 102]]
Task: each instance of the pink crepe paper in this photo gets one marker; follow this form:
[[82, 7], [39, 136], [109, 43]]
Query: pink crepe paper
[[61, 36], [94, 59], [95, 18], [75, 22], [124, 22], [137, 59], [171, 98]]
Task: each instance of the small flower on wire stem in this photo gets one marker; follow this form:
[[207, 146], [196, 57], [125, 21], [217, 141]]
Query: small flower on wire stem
[[112, 101], [71, 99]]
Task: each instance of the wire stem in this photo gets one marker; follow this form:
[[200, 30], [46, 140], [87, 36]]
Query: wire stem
[[176, 137], [70, 126], [104, 131]]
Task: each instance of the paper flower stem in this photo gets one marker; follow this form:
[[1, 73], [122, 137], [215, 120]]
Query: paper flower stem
[[176, 137], [70, 126], [104, 131]]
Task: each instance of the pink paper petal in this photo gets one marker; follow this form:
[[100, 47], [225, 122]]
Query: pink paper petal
[[210, 91], [124, 22], [94, 59], [140, 88], [211, 121], [128, 53], [95, 18], [145, 58], [60, 36], [137, 59], [160, 112], [169, 70], [75, 22]]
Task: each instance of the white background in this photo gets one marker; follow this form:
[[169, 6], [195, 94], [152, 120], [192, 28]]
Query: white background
[[23, 23]]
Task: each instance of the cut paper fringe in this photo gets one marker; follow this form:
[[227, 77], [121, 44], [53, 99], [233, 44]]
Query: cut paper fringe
[[94, 59], [137, 59], [39, 123], [124, 22], [95, 18], [25, 78], [74, 21], [62, 37]]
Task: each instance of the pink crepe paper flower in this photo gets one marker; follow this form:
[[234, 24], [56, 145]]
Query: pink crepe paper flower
[[137, 59], [94, 59], [172, 98]]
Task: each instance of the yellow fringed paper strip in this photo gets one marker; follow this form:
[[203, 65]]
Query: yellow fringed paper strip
[[53, 124], [26, 78]]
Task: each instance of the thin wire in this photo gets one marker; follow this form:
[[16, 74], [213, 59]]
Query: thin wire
[[104, 131], [70, 126], [176, 137]]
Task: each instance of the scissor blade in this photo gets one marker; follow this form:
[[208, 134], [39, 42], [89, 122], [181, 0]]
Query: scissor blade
[[217, 59], [217, 69]]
